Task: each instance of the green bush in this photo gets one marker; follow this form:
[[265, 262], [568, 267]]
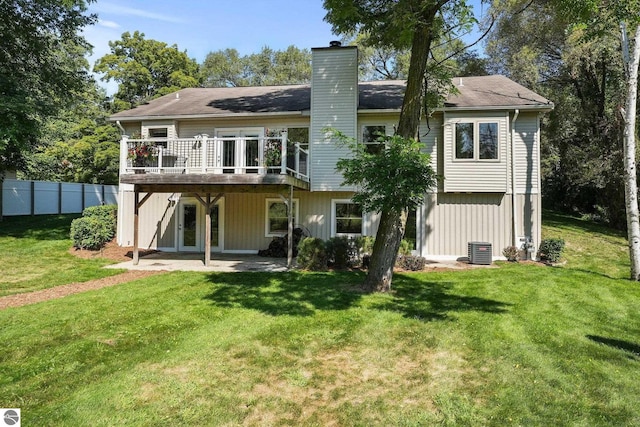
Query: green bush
[[406, 246], [511, 253], [551, 250], [96, 227], [365, 244], [90, 233], [107, 214], [411, 262], [341, 252], [312, 254]]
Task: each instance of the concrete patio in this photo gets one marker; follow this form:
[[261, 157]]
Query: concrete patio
[[168, 261]]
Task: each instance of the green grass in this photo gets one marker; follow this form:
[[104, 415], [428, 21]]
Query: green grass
[[34, 255], [515, 345]]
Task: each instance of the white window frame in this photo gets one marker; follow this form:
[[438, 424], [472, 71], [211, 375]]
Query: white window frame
[[334, 225], [476, 140], [362, 133], [296, 212]]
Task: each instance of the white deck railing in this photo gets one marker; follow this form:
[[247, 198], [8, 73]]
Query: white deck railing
[[203, 155]]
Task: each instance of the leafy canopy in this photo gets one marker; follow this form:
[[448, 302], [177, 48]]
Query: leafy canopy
[[394, 179], [146, 69], [42, 66]]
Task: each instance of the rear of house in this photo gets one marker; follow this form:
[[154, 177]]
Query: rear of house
[[225, 162]]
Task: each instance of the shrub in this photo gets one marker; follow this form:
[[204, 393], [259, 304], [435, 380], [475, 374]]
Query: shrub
[[511, 253], [341, 252], [90, 233], [365, 244], [107, 214], [411, 262], [312, 254], [96, 227], [550, 250], [406, 246]]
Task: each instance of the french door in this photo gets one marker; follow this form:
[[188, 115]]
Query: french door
[[191, 226], [239, 150]]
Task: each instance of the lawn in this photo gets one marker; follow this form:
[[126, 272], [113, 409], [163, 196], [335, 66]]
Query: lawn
[[520, 344], [34, 255]]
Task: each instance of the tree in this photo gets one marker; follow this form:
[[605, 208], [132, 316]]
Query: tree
[[42, 67], [413, 24], [146, 69], [595, 17], [226, 68]]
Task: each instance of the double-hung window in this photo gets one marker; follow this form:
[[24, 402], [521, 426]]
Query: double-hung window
[[476, 141], [347, 218], [371, 138], [277, 217]]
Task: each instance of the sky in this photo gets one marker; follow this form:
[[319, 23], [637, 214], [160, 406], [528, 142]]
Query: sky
[[203, 26]]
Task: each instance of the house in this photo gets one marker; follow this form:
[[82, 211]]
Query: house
[[226, 162]]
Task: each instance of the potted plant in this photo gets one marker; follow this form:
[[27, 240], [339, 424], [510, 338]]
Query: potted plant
[[142, 153]]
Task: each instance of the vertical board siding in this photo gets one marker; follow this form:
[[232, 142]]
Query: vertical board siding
[[157, 222], [430, 135], [453, 220], [334, 103], [526, 150], [475, 176]]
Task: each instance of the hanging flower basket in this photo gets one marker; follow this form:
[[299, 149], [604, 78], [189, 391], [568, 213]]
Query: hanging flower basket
[[142, 154]]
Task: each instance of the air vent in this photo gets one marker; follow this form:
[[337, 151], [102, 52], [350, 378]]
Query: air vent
[[479, 253]]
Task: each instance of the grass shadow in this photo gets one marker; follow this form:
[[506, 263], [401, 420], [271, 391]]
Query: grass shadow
[[626, 346], [425, 300], [300, 294], [39, 227], [291, 293]]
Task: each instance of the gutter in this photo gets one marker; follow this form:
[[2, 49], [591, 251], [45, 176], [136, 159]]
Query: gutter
[[514, 199]]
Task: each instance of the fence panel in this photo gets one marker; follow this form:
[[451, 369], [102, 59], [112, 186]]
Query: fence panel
[[39, 197]]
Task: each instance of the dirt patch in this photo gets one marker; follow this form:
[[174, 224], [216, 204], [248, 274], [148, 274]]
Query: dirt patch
[[73, 288], [111, 251]]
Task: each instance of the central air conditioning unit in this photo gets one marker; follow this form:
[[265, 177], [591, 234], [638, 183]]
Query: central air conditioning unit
[[479, 253]]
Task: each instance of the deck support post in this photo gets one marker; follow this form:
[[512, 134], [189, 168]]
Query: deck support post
[[208, 205], [290, 229], [137, 203]]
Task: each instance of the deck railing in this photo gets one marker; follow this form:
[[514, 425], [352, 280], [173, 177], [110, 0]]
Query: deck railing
[[203, 155]]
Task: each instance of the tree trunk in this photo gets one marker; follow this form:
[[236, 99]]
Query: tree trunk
[[629, 142], [392, 224], [385, 251]]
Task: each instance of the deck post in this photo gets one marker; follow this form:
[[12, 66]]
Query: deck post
[[205, 142], [207, 232], [136, 222], [283, 153], [290, 229]]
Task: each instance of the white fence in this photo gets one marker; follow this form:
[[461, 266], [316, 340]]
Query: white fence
[[41, 197]]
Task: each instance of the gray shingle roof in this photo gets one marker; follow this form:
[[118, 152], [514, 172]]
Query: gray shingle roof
[[474, 93]]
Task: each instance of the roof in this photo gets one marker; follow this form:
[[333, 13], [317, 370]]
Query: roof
[[486, 92]]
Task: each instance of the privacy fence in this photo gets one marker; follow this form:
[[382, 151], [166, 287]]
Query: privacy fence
[[41, 198]]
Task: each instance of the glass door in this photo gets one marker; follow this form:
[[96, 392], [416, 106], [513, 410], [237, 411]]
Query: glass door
[[188, 226], [217, 227]]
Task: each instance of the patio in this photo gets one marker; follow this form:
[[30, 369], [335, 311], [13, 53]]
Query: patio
[[171, 261]]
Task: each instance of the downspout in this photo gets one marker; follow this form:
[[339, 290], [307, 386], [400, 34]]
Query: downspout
[[514, 199], [122, 130]]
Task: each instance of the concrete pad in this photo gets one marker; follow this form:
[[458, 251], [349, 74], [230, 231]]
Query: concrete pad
[[167, 261]]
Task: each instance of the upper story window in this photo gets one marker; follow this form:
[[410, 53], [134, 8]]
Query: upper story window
[[300, 135], [159, 133], [347, 218], [371, 138], [476, 140]]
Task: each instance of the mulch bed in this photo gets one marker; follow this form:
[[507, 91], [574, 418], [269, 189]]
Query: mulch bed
[[111, 251]]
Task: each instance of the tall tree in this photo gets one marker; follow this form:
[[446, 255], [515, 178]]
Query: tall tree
[[413, 24], [145, 69], [42, 68], [226, 68]]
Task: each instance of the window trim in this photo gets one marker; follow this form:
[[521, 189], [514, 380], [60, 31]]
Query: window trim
[[476, 140], [371, 143], [334, 225], [296, 216]]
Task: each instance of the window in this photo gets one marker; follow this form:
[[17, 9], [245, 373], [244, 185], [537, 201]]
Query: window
[[371, 138], [277, 219], [159, 133], [476, 141], [347, 218]]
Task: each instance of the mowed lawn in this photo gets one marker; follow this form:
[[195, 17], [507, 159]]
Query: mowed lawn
[[519, 344]]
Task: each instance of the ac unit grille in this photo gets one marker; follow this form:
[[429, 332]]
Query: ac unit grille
[[480, 253]]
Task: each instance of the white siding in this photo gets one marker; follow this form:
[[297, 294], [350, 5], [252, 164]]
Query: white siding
[[191, 128], [431, 136], [481, 176], [450, 221], [334, 102], [157, 221], [526, 149]]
